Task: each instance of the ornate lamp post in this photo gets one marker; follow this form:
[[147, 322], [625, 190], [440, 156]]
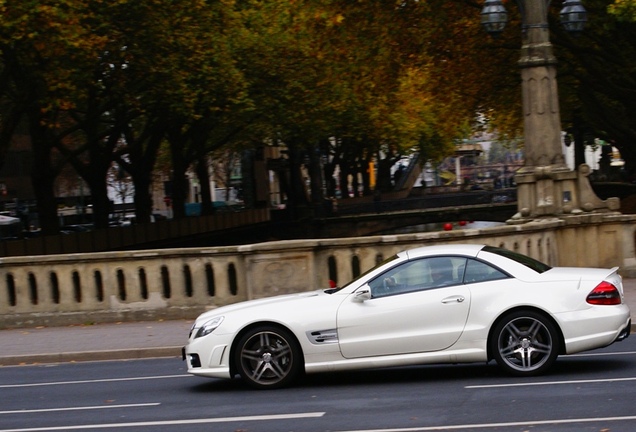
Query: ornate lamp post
[[546, 186]]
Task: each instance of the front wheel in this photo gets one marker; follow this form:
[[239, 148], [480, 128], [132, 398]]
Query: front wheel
[[268, 357], [525, 343]]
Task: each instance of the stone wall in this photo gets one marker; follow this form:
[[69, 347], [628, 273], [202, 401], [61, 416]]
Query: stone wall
[[181, 283]]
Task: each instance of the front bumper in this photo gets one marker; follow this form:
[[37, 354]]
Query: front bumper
[[193, 360], [204, 359]]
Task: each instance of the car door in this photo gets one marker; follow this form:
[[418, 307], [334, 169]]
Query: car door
[[408, 311]]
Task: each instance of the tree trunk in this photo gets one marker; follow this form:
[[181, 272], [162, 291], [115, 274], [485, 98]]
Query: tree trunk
[[204, 183], [143, 198], [179, 181], [297, 199], [102, 206], [143, 155], [43, 176], [316, 181], [95, 174]]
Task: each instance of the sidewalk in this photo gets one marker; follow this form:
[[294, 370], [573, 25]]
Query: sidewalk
[[125, 340], [93, 342]]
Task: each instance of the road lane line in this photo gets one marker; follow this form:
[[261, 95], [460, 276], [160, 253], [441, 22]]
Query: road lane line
[[495, 425], [172, 422], [93, 381], [547, 383], [29, 411], [603, 354]]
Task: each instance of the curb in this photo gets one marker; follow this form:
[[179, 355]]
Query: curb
[[118, 354], [70, 357], [115, 354]]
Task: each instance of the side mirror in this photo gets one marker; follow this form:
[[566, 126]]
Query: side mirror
[[362, 295]]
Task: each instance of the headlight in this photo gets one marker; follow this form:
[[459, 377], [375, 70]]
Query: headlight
[[209, 326]]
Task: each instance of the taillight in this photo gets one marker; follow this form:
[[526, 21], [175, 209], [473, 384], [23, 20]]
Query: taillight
[[604, 294]]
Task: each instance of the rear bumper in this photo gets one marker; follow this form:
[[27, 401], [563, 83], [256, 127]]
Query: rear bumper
[[624, 334], [596, 327]]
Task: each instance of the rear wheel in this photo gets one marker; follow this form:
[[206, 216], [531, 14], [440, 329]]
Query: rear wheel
[[525, 343], [268, 357]]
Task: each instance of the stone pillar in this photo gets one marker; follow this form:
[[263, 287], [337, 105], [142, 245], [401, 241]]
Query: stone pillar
[[542, 122], [546, 186]]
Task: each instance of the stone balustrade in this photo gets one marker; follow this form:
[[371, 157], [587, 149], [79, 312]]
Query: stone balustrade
[[181, 283]]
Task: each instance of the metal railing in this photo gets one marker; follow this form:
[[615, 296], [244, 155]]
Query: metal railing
[[119, 238]]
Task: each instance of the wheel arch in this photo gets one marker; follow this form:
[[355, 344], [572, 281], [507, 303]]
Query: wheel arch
[[524, 309], [239, 335]]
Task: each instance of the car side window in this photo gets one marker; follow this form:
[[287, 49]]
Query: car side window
[[419, 274], [478, 271]]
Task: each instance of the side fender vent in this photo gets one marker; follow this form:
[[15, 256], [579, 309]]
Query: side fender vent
[[322, 337]]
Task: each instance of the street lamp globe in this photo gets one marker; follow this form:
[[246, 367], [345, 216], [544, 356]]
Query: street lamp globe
[[573, 16], [494, 17]]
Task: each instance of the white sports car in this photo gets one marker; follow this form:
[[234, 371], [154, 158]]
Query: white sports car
[[437, 304]]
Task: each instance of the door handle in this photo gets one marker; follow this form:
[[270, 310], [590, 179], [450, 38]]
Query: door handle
[[454, 299]]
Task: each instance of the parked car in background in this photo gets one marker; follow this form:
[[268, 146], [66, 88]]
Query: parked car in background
[[128, 220]]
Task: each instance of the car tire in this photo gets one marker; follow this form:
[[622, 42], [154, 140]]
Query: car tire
[[525, 343], [268, 357]]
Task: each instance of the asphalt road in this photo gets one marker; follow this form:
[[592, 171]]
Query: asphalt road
[[587, 392]]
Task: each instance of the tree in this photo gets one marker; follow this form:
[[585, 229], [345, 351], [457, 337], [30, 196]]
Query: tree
[[46, 50], [596, 79], [350, 70], [202, 108], [336, 82], [597, 70], [623, 9]]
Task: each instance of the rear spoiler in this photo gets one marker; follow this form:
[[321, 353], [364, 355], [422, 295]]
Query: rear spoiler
[[616, 279]]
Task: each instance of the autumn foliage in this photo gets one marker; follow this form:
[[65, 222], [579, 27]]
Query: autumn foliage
[[121, 81]]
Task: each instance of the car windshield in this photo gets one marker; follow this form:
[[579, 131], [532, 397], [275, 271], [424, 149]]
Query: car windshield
[[334, 290], [532, 263]]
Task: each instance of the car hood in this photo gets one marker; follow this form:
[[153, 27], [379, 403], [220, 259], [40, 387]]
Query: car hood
[[267, 301]]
